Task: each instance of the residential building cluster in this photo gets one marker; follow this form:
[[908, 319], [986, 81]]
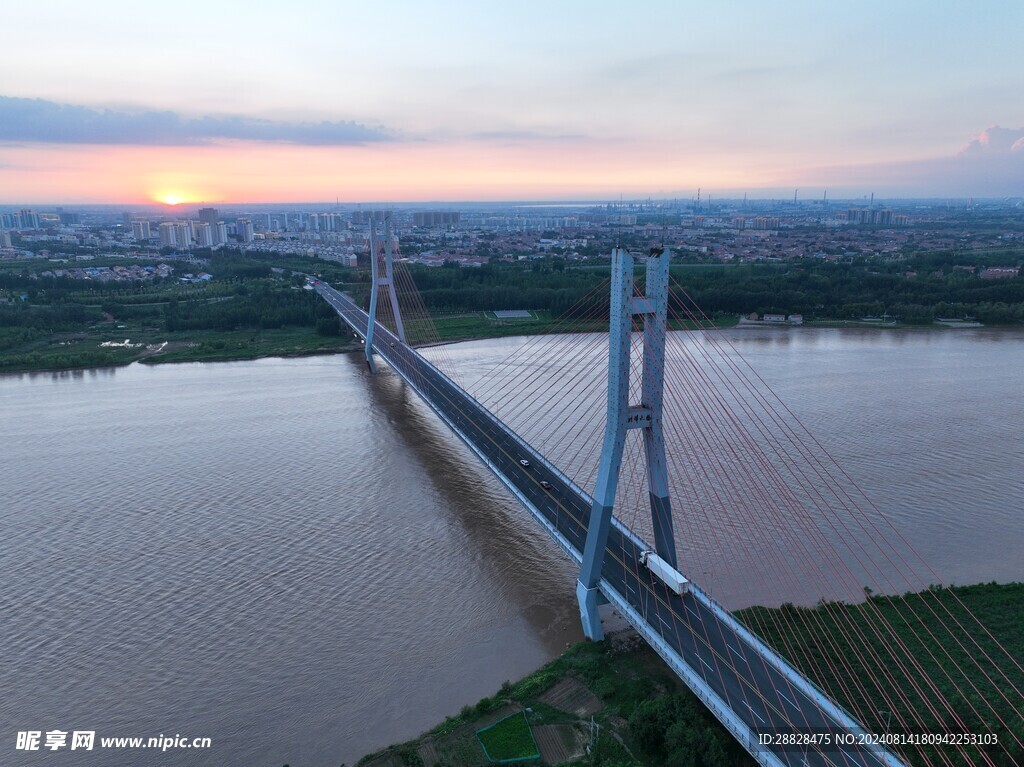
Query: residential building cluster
[[473, 234], [130, 273]]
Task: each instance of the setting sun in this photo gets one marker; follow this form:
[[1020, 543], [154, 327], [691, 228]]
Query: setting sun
[[178, 189], [172, 198]]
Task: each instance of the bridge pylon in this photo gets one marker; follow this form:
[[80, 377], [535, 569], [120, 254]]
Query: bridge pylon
[[381, 260], [622, 416]]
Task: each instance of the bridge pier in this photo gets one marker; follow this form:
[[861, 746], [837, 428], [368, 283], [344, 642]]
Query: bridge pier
[[378, 282], [653, 307]]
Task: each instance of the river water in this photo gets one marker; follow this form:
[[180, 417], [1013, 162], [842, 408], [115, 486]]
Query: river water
[[301, 563]]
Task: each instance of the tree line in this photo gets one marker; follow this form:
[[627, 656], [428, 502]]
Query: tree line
[[818, 290]]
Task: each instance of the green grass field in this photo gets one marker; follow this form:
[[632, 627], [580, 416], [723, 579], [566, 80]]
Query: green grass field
[[509, 739]]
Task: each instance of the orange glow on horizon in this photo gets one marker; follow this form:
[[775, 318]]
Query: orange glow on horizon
[[174, 197], [253, 173]]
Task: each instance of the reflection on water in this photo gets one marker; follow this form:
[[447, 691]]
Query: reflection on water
[[300, 562]]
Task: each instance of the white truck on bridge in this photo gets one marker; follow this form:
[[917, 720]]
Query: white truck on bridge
[[665, 572]]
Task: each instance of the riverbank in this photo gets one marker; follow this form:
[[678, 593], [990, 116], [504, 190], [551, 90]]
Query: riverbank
[[616, 703], [104, 347], [116, 344]]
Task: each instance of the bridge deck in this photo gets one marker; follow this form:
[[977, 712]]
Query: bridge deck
[[746, 685]]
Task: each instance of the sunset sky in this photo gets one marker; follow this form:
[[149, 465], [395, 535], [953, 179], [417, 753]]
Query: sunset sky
[[405, 101]]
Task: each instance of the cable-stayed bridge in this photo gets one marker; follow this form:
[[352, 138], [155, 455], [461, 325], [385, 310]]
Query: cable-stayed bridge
[[756, 693]]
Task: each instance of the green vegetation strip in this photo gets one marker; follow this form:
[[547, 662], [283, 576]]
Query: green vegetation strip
[[509, 740], [255, 306], [646, 718]]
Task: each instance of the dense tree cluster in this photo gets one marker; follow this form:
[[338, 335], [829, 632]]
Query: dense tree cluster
[[917, 290], [250, 292], [674, 730], [264, 305], [245, 294]]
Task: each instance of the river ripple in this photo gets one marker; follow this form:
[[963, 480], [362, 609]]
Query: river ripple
[[301, 563]]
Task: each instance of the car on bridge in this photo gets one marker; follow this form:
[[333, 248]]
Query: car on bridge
[[523, 462], [545, 484]]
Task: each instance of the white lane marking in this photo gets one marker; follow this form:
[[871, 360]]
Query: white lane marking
[[706, 664], [665, 623], [736, 652], [693, 613], [754, 713], [786, 698]]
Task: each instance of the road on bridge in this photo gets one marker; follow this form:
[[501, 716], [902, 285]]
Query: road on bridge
[[743, 673]]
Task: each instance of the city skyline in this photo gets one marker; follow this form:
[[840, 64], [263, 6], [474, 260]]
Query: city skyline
[[112, 103]]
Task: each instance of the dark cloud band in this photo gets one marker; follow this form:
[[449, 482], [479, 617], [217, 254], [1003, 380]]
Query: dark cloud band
[[38, 120]]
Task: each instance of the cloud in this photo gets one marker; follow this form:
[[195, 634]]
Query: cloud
[[995, 141], [990, 165], [38, 120]]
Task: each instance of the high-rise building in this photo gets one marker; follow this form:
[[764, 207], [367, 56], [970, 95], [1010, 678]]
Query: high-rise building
[[168, 235], [366, 216], [246, 233], [140, 230], [883, 216], [183, 233], [29, 220], [209, 215], [436, 218], [5, 239], [220, 234], [203, 235]]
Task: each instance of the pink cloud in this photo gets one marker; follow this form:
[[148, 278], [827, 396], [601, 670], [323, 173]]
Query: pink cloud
[[991, 164], [995, 141]]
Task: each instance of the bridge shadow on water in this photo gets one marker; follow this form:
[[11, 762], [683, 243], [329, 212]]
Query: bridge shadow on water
[[502, 542]]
